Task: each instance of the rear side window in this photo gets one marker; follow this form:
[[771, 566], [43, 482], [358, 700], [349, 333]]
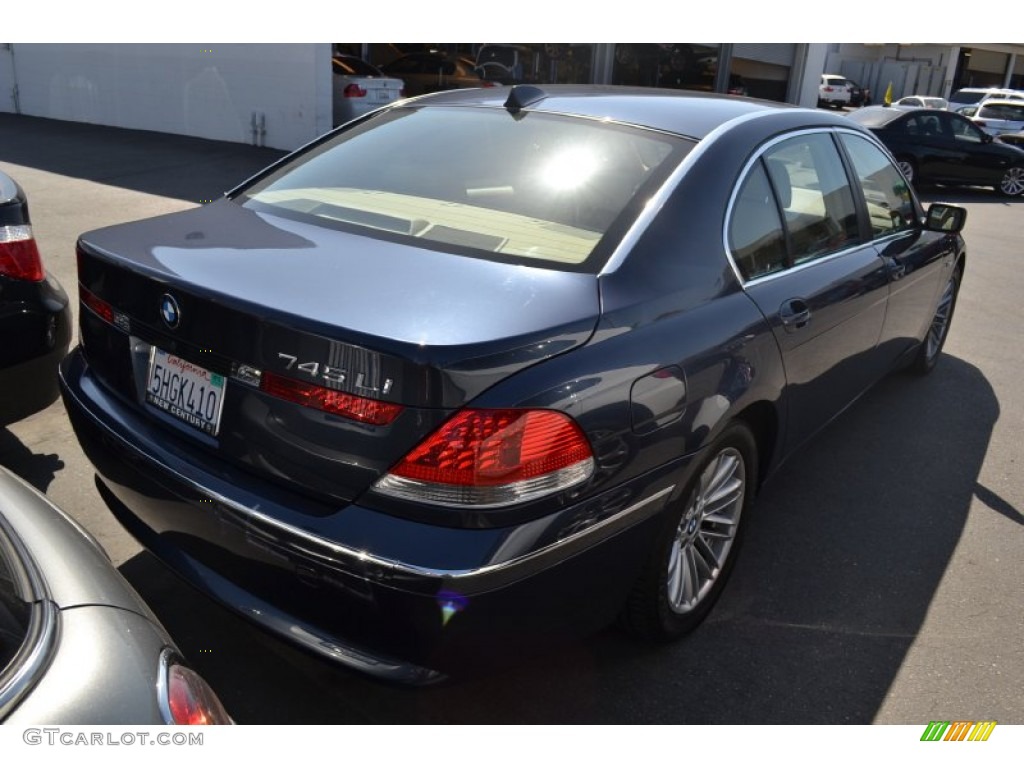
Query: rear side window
[[795, 199], [756, 239]]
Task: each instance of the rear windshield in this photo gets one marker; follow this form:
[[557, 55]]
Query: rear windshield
[[14, 611], [354, 67], [534, 188], [968, 97]]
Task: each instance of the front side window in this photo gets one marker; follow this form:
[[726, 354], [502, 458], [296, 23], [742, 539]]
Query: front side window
[[814, 193], [531, 188], [965, 131], [886, 192], [793, 206]]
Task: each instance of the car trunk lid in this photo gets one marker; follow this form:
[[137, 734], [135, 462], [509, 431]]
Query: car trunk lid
[[259, 298]]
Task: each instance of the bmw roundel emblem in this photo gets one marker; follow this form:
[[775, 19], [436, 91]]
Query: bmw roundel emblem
[[169, 311]]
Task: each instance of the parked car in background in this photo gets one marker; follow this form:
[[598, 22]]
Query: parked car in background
[[77, 644], [737, 86], [931, 102], [491, 374], [508, 64], [834, 91], [359, 87], [939, 146], [35, 317], [859, 95], [996, 116], [430, 71], [968, 96]]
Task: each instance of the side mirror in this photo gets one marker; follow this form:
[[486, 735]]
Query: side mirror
[[943, 217], [986, 138]]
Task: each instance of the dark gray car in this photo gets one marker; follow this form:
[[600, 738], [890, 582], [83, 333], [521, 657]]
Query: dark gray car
[[77, 644]]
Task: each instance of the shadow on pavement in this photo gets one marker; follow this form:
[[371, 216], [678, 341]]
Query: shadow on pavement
[[842, 558], [143, 161], [39, 469]]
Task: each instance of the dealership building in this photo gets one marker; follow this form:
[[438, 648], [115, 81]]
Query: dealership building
[[280, 95]]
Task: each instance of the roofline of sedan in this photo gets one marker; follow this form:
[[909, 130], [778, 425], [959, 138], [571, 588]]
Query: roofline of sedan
[[655, 204]]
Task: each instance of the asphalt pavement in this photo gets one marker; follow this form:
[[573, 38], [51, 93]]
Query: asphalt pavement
[[881, 576]]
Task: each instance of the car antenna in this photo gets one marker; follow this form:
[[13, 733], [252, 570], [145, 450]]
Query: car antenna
[[523, 96]]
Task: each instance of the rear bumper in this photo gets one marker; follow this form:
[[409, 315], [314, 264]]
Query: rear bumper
[[30, 386], [389, 596]]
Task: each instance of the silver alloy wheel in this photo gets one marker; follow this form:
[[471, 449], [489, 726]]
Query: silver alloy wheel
[[1012, 182], [940, 323], [907, 168], [706, 531]]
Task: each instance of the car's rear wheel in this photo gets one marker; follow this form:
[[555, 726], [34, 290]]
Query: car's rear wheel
[[930, 349], [1012, 183], [907, 167], [698, 544]]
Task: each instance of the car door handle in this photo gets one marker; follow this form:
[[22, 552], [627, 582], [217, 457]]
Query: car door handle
[[794, 313]]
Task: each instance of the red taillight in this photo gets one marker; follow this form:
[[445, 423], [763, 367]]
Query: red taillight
[[489, 458], [828, 89], [191, 701], [19, 256], [489, 84], [353, 91], [97, 305], [314, 396]]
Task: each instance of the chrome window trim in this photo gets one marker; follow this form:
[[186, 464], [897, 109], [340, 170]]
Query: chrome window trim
[[658, 200], [40, 643], [831, 130]]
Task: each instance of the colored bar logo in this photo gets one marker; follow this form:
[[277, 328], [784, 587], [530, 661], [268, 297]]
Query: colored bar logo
[[958, 730]]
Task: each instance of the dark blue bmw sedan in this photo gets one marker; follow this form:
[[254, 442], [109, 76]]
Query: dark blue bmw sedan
[[489, 368]]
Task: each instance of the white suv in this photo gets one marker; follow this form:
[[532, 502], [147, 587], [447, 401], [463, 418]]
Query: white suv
[[997, 116], [834, 91], [967, 96]]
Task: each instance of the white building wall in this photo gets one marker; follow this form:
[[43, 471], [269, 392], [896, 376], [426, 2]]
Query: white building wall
[[810, 74], [208, 91]]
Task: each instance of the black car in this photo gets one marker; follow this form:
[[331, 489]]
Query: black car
[[491, 368], [35, 317], [937, 146], [859, 95]]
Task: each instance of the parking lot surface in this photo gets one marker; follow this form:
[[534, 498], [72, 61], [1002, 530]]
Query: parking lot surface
[[880, 578]]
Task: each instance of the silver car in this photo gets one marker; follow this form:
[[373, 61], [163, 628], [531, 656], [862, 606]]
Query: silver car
[[77, 644], [359, 88]]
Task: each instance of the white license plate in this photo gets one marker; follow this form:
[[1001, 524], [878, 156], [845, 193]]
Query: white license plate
[[185, 390], [382, 95]]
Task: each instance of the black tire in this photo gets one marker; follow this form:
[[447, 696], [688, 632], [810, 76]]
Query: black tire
[[908, 168], [663, 604], [931, 346], [1012, 182]]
